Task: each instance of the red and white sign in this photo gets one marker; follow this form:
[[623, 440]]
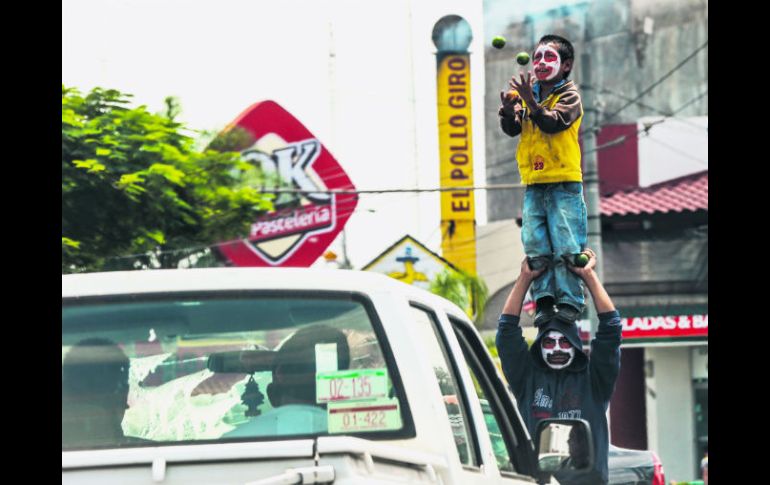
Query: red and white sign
[[303, 225], [660, 327], [666, 326]]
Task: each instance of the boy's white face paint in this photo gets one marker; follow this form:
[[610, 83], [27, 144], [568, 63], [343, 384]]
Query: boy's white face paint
[[547, 62], [556, 350]]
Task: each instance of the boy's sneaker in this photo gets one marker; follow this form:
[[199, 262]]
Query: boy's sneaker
[[567, 313], [545, 312]]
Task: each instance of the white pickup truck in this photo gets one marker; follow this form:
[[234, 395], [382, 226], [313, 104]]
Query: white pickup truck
[[282, 376]]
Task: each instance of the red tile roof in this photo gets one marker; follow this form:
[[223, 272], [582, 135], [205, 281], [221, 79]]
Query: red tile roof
[[689, 193]]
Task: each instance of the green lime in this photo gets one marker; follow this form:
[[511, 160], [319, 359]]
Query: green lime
[[522, 58], [498, 42], [581, 260]]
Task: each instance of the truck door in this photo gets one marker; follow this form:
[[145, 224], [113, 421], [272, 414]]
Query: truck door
[[511, 445], [468, 428]]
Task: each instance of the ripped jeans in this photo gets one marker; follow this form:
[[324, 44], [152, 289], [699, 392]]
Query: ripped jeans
[[554, 225]]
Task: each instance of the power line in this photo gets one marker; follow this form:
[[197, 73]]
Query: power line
[[244, 239], [646, 128], [660, 80], [704, 93], [668, 114], [504, 246], [461, 245], [680, 152], [391, 191]]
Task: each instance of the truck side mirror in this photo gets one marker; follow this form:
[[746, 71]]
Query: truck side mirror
[[564, 447]]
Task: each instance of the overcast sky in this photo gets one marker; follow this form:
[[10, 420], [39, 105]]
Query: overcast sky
[[359, 74]]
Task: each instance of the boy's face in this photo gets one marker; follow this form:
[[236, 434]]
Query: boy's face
[[547, 63]]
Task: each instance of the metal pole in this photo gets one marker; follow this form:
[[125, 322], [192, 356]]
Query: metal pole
[[345, 264], [590, 124], [345, 261], [591, 175]]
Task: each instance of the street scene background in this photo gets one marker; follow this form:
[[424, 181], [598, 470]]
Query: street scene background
[[363, 79]]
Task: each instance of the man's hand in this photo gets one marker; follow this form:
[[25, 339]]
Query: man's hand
[[587, 270], [527, 274], [516, 297], [601, 299], [524, 88]]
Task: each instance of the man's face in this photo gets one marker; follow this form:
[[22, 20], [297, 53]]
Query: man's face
[[546, 62], [557, 351]]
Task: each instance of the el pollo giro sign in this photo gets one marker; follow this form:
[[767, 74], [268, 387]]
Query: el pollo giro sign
[[303, 224]]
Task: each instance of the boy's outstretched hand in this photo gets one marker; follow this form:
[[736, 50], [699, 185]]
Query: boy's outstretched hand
[[588, 269], [524, 87], [511, 104]]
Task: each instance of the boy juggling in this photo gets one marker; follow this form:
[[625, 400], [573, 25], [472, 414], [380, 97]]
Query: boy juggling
[[546, 111]]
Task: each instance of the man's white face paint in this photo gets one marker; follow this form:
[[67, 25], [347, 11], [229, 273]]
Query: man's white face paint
[[547, 62], [557, 351]]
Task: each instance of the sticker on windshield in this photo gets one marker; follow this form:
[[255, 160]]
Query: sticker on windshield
[[351, 385], [325, 357], [374, 415]]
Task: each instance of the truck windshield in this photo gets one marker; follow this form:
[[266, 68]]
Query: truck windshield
[[143, 371]]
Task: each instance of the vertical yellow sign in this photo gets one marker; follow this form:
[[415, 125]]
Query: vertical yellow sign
[[458, 215]]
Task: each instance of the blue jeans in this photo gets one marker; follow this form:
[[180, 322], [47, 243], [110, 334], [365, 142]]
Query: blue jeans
[[554, 225]]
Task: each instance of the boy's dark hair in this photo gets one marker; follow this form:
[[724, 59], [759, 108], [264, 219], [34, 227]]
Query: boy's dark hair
[[563, 46]]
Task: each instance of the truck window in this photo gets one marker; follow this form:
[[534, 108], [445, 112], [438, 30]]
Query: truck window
[[233, 366], [434, 347], [493, 427]]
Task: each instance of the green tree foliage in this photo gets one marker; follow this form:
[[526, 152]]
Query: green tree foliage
[[467, 291], [135, 191]]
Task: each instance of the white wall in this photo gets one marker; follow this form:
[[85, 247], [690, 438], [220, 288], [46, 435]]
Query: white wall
[[499, 253], [674, 147], [670, 427]]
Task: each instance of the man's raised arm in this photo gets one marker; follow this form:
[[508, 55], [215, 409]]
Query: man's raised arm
[[511, 346], [605, 347]]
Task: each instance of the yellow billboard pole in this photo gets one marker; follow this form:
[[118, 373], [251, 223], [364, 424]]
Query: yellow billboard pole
[[452, 37]]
